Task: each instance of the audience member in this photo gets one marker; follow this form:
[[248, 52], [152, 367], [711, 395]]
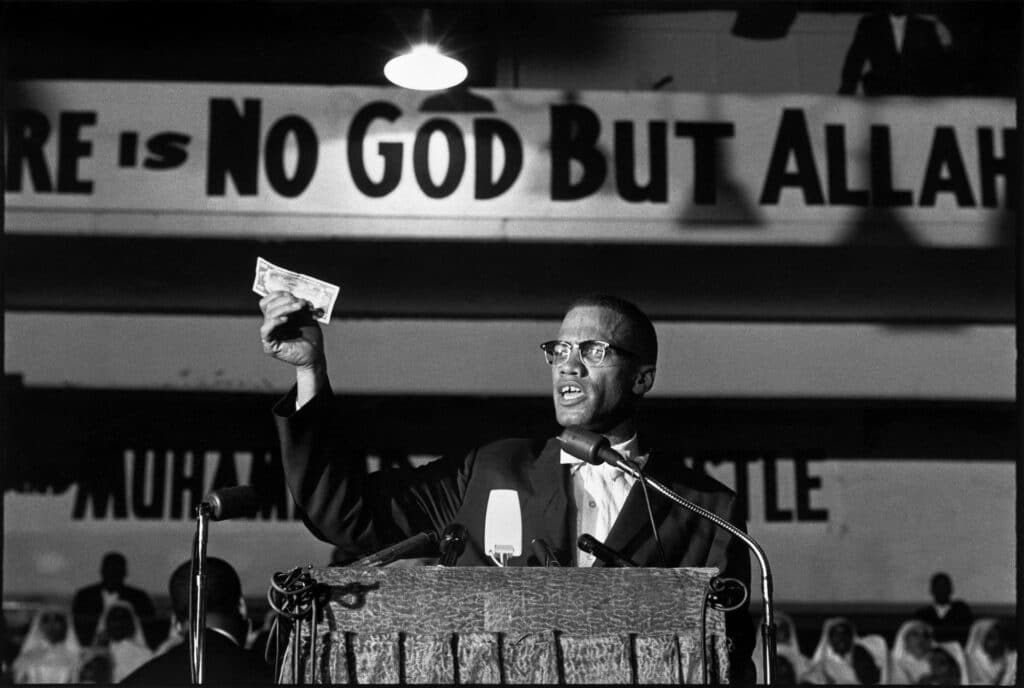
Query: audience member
[[787, 648], [950, 619], [991, 659], [97, 667], [50, 652], [8, 651], [226, 661], [908, 661], [943, 668], [119, 630], [91, 601], [896, 52], [843, 657]]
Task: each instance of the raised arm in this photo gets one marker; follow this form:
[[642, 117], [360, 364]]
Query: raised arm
[[340, 503]]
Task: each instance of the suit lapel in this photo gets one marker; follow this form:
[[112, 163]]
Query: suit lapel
[[546, 513]]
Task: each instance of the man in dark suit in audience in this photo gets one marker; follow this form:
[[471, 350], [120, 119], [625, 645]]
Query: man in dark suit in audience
[[897, 52], [951, 619], [226, 661], [90, 602]]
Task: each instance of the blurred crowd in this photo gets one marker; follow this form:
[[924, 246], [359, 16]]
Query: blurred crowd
[[103, 639], [112, 634], [942, 644]]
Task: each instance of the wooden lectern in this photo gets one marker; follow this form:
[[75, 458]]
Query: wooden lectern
[[510, 625]]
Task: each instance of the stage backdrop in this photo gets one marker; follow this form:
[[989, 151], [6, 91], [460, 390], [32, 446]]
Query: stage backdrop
[[855, 497], [831, 279], [284, 162]]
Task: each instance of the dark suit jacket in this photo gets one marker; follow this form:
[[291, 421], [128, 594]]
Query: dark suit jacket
[[224, 663], [953, 626], [87, 608], [362, 513], [921, 68]]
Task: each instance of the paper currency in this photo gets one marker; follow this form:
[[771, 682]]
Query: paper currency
[[322, 295]]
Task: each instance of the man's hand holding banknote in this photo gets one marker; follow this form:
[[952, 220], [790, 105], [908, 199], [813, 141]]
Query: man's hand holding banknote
[[292, 304]]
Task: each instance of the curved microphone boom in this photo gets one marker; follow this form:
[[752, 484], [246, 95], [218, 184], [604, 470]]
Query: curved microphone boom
[[595, 448]]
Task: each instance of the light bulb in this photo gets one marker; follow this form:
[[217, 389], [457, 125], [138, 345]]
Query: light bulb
[[424, 68]]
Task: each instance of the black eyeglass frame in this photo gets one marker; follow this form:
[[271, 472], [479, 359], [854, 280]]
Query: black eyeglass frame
[[589, 344]]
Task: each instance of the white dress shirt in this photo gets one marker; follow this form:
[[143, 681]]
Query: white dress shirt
[[600, 491], [899, 30]]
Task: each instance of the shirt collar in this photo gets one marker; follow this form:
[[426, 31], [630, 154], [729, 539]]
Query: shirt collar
[[629, 449], [224, 633]]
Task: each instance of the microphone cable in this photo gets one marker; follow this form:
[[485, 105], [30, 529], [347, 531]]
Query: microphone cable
[[292, 595], [650, 515]]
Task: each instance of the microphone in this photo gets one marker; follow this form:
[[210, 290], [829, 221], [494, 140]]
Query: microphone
[[591, 545], [232, 502], [453, 544], [417, 544], [503, 526], [594, 448], [219, 505], [542, 550]]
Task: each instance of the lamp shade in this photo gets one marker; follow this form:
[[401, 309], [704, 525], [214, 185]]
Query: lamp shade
[[424, 68]]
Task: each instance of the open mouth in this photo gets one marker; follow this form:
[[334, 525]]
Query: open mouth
[[570, 392]]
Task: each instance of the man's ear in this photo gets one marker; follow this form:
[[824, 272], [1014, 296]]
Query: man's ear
[[643, 380]]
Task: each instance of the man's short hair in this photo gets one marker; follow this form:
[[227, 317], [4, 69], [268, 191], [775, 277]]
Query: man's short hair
[[639, 323], [114, 563], [223, 588]]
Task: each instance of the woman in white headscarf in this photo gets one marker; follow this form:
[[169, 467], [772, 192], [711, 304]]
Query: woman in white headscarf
[[909, 659], [119, 627], [50, 652], [787, 648], [990, 659], [843, 657]]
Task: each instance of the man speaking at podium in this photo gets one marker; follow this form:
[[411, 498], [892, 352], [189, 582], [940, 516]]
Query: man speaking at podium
[[602, 363]]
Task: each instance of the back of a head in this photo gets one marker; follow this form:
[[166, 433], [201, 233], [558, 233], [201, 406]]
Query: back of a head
[[941, 587], [639, 323], [120, 623], [223, 588], [113, 568]]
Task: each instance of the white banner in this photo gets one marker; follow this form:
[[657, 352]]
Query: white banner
[[216, 159]]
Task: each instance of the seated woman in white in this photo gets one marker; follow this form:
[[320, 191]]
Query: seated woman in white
[[50, 652], [908, 661], [787, 648], [119, 627], [990, 658], [844, 657]]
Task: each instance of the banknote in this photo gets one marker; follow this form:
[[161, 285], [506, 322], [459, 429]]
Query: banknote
[[322, 295]]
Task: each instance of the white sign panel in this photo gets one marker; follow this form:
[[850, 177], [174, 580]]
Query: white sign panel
[[217, 159]]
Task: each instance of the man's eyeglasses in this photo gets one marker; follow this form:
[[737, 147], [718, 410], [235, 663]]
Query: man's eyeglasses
[[592, 352]]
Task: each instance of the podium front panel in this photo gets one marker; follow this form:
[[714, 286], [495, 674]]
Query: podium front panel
[[478, 625]]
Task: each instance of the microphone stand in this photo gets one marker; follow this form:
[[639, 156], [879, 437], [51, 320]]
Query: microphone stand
[[768, 626], [197, 594]]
